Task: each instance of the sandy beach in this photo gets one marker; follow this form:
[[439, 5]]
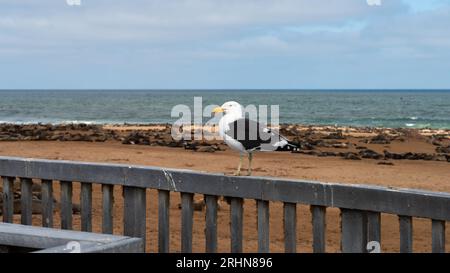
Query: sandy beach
[[419, 174]]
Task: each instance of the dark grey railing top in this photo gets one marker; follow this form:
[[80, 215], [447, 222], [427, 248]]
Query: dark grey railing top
[[404, 202]]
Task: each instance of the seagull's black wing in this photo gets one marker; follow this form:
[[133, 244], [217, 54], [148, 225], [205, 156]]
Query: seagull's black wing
[[249, 133]]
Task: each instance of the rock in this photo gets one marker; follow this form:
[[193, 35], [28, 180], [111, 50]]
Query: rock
[[221, 147], [324, 154], [36, 206], [76, 137], [305, 145], [418, 156], [410, 156], [190, 145], [387, 163], [447, 157], [37, 195], [55, 137], [341, 145], [367, 153], [138, 138], [389, 155], [436, 142], [206, 149], [100, 138], [351, 156], [160, 143], [336, 135], [76, 208], [199, 205], [305, 152], [380, 139], [36, 187], [443, 150], [175, 144], [429, 157]]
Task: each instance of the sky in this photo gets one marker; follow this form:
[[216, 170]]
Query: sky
[[225, 44]]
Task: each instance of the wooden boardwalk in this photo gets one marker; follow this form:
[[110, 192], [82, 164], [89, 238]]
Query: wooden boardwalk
[[360, 205]]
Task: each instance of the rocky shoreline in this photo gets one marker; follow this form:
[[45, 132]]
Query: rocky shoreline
[[324, 141]]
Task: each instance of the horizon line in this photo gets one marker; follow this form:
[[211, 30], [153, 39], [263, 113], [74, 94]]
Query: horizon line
[[224, 89]]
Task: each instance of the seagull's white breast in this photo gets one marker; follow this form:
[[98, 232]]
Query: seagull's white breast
[[225, 127]]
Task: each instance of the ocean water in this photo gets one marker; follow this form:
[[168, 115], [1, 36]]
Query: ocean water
[[407, 109]]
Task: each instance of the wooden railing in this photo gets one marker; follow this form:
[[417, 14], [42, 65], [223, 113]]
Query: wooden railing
[[23, 238], [360, 205]]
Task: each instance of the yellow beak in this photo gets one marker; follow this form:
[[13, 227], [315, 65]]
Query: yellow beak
[[218, 110]]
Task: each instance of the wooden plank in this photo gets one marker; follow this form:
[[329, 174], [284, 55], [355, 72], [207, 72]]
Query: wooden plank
[[134, 220], [128, 245], [373, 226], [86, 207], [211, 223], [56, 240], [163, 221], [187, 214], [107, 208], [8, 199], [47, 203], [26, 201], [406, 202], [290, 227], [236, 224], [66, 204], [406, 234], [263, 226], [319, 228], [354, 231], [438, 236]]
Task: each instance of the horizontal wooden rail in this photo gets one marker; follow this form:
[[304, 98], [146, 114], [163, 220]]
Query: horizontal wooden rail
[[405, 202]]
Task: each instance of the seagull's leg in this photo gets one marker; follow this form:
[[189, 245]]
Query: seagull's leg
[[250, 157], [238, 172]]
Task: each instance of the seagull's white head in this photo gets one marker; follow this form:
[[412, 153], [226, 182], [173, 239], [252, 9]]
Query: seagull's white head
[[231, 108]]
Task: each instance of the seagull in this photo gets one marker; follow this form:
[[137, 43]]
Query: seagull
[[246, 136]]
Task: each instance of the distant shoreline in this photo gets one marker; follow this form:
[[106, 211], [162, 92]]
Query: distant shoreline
[[235, 90]]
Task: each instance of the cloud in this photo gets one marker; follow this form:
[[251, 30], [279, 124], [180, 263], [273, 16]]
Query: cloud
[[163, 21], [222, 35]]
